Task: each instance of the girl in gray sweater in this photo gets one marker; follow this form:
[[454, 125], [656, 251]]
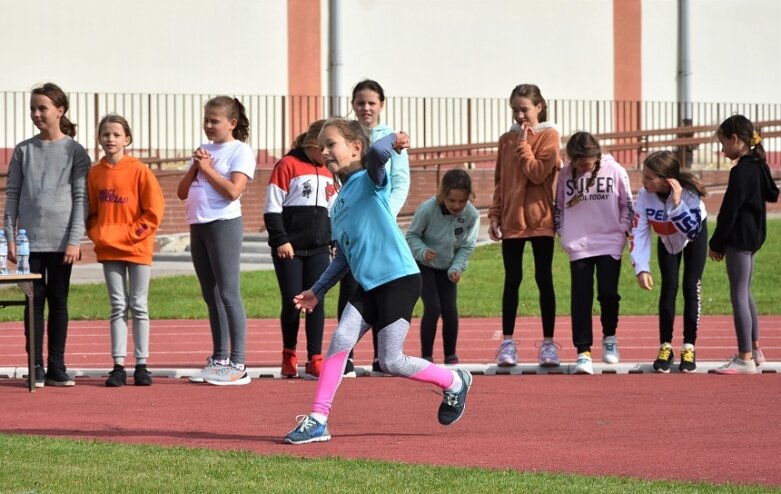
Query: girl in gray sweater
[[46, 195]]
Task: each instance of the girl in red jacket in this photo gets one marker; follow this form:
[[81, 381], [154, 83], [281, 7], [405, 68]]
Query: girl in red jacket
[[125, 208]]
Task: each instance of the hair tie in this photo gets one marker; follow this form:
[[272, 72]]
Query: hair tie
[[755, 139]]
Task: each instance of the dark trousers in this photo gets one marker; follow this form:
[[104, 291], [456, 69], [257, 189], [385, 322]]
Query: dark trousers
[[439, 296], [512, 256], [294, 276], [53, 289], [582, 275], [694, 256]]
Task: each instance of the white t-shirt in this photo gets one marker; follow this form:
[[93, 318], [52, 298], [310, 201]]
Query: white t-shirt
[[204, 203]]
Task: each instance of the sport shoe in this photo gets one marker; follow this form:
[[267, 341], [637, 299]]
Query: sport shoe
[[308, 430], [759, 357], [584, 365], [349, 369], [58, 377], [39, 375], [664, 359], [610, 353], [688, 359], [313, 367], [548, 354], [451, 360], [229, 375], [289, 363], [142, 376], [211, 367], [737, 365], [453, 404], [506, 354], [117, 377]]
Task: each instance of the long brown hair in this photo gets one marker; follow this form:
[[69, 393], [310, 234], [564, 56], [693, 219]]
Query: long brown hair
[[665, 164], [583, 145], [743, 128], [60, 100]]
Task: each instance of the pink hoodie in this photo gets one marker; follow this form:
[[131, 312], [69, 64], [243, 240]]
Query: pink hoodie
[[600, 223]]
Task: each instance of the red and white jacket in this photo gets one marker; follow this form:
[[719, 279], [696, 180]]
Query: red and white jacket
[[676, 226]]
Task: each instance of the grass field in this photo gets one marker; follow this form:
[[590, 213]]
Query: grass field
[[42, 465], [35, 464]]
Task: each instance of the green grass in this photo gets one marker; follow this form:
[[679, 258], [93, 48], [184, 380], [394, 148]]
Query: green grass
[[480, 290], [42, 465]]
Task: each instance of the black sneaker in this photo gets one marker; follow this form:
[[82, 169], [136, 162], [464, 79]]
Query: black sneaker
[[39, 376], [349, 369], [58, 377], [117, 377], [451, 359], [688, 359], [664, 359], [142, 377], [377, 370], [453, 404]]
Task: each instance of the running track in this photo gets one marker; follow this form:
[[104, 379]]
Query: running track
[[688, 427]]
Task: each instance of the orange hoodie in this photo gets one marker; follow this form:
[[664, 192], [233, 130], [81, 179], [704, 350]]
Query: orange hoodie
[[525, 183], [126, 207]]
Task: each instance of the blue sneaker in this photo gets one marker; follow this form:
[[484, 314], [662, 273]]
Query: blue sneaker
[[453, 404], [308, 430]]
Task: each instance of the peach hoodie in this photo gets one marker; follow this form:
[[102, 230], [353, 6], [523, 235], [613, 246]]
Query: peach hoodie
[[126, 207], [525, 183]]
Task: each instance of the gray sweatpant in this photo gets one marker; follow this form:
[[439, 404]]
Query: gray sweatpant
[[740, 269], [215, 248], [128, 287]]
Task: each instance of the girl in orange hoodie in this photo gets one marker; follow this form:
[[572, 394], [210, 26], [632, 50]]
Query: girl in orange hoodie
[[527, 166], [125, 208]]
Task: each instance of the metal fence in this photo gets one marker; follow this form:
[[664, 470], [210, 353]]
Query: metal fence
[[169, 125]]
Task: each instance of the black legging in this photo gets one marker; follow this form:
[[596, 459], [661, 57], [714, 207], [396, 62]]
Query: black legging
[[294, 276], [512, 255], [347, 287], [582, 276], [53, 289], [439, 296], [694, 256]]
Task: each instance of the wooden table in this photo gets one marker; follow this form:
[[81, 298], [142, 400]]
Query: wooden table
[[25, 283]]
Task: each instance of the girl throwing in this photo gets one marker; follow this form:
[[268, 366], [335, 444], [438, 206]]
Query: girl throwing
[[670, 204], [218, 174], [594, 218], [370, 244], [126, 206], [441, 237], [741, 228]]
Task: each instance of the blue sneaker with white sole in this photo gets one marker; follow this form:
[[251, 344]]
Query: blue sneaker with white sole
[[308, 430]]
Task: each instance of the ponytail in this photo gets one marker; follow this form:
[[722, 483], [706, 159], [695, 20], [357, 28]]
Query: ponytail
[[60, 100], [235, 111]]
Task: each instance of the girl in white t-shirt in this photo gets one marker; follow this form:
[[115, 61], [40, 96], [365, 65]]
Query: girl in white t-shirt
[[218, 174]]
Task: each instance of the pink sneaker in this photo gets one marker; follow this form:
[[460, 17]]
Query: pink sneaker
[[759, 357], [737, 365]]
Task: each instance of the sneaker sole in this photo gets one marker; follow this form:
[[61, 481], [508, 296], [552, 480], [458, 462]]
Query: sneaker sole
[[350, 374], [237, 382], [688, 371], [320, 439], [662, 371], [584, 372], [311, 377], [549, 364], [506, 364], [60, 384]]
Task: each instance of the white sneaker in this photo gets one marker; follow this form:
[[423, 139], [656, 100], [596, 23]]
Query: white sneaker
[[759, 357], [212, 366], [506, 354], [584, 365], [737, 365], [610, 353]]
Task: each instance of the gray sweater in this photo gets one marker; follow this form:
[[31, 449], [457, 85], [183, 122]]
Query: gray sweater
[[46, 193]]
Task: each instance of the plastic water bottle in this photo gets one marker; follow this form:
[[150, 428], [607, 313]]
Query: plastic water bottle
[[3, 254], [22, 252]]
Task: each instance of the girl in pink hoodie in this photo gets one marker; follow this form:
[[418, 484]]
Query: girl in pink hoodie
[[593, 216]]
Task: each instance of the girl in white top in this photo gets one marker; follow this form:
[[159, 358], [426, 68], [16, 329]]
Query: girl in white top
[[217, 177], [670, 204]]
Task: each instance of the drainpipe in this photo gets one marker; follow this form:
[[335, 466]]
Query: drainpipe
[[334, 54], [684, 76]]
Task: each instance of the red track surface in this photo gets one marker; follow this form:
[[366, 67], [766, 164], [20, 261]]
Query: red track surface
[[688, 427]]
